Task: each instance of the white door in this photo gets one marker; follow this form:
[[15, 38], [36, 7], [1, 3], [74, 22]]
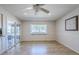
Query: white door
[[17, 33]]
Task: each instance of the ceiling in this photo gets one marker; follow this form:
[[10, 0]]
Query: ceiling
[[56, 10]]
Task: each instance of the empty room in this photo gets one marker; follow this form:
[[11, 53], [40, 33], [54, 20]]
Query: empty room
[[39, 29]]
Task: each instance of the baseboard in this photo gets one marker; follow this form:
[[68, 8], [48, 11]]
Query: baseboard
[[68, 46], [39, 41], [31, 40]]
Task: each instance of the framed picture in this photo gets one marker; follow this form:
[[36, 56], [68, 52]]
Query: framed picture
[[1, 24], [71, 24]]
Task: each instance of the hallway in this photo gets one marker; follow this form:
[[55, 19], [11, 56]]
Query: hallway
[[40, 48]]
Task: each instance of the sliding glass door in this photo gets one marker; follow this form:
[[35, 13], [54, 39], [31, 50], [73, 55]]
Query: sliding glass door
[[10, 33]]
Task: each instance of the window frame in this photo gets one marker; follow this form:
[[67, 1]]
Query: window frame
[[39, 33]]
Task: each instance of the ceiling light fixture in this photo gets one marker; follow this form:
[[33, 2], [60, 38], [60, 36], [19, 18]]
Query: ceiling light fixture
[[37, 8]]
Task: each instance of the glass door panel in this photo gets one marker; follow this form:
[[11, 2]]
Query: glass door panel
[[17, 33], [10, 33]]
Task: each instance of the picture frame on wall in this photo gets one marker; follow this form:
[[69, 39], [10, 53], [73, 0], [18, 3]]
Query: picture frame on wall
[[71, 24], [1, 24]]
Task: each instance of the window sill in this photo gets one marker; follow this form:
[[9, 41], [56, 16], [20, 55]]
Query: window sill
[[38, 34]]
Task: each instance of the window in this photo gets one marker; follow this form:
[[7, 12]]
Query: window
[[38, 29]]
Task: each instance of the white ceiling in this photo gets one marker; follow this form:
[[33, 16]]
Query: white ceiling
[[57, 11]]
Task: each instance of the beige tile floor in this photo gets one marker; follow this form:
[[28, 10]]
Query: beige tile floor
[[40, 48]]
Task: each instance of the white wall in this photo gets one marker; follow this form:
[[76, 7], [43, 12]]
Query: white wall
[[67, 38], [26, 36]]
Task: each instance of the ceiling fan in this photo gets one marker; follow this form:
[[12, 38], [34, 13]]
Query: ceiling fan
[[37, 8]]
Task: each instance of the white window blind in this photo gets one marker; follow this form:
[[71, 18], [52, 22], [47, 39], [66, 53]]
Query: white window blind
[[38, 29]]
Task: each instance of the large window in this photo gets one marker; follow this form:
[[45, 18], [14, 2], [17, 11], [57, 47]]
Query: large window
[[38, 29]]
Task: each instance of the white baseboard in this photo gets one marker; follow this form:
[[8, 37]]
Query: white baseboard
[[68, 46], [39, 40]]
